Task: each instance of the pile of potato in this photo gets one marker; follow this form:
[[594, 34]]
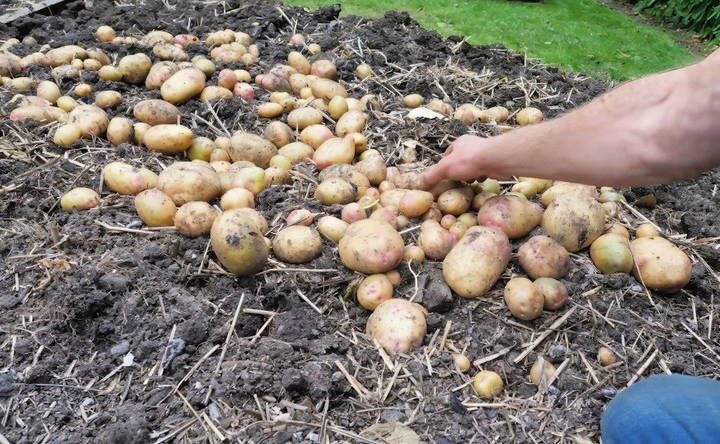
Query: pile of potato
[[378, 215]]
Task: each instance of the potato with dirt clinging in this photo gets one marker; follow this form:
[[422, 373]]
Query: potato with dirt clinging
[[168, 138], [351, 122], [455, 201], [107, 99], [332, 228], [211, 93], [560, 188], [105, 33], [554, 293], [79, 199], [611, 254], [195, 218], [156, 112], [123, 178], [512, 213], [297, 244], [574, 221], [238, 242], [155, 208], [373, 168], [189, 181], [120, 130], [487, 384], [334, 191], [476, 262], [398, 325], [183, 86], [251, 147], [159, 73], [371, 246], [135, 68], [523, 300], [66, 135], [434, 240], [541, 256], [374, 290], [660, 265], [606, 356]]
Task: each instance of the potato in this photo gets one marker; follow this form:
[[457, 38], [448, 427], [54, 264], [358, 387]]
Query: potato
[[211, 93], [574, 221], [155, 208], [495, 114], [123, 178], [512, 213], [201, 149], [281, 162], [462, 363], [554, 293], [269, 110], [237, 198], [332, 228], [353, 212], [91, 65], [105, 33], [156, 112], [152, 38], [168, 138], [300, 216], [327, 89], [468, 219], [64, 55], [107, 99], [360, 142], [434, 240], [207, 67], [334, 151], [323, 69], [618, 229], [468, 113], [606, 356], [351, 122], [111, 73], [392, 197], [334, 191], [65, 72], [297, 244], [169, 51], [523, 300], [195, 218], [660, 265], [139, 129], [66, 135], [48, 90], [244, 91], [440, 107], [238, 242], [541, 256], [299, 62], [415, 203], [91, 120], [29, 100], [374, 290], [447, 221], [337, 107], [413, 100], [346, 172], [296, 152], [99, 56], [487, 384], [189, 181], [10, 64], [135, 68], [611, 254], [455, 201], [79, 199], [301, 118], [185, 40], [398, 325], [371, 246], [647, 230], [411, 180], [363, 71], [159, 73], [476, 262], [44, 114], [457, 230], [251, 147], [542, 372], [315, 135], [183, 85], [251, 178], [386, 214], [560, 188], [82, 90], [66, 103], [528, 116], [120, 130], [373, 168]]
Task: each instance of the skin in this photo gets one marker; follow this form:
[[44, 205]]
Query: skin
[[663, 128]]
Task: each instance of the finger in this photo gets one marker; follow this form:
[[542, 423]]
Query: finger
[[433, 175], [448, 151]]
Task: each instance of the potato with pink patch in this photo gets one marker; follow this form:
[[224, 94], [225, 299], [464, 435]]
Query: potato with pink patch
[[371, 246], [374, 290], [660, 265], [511, 213], [398, 325], [435, 241], [123, 178], [541, 256]]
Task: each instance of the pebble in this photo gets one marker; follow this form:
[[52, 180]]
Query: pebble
[[120, 349]]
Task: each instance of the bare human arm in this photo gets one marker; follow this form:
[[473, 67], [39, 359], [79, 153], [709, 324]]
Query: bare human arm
[[653, 130]]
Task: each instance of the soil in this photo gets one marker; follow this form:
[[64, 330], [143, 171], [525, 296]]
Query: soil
[[138, 336]]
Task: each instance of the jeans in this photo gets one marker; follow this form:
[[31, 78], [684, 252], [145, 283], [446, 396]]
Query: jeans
[[675, 409]]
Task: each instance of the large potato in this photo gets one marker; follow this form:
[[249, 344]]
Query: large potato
[[541, 256], [168, 138], [183, 85], [155, 208], [195, 218], [371, 246], [156, 112], [574, 221], [512, 213], [123, 178], [611, 254], [398, 325], [159, 73], [135, 68], [10, 65], [91, 120], [238, 243], [251, 147], [297, 244], [435, 240], [473, 266], [660, 265], [80, 198], [189, 181], [39, 113], [523, 300], [64, 55]]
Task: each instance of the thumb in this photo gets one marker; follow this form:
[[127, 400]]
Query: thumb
[[433, 175]]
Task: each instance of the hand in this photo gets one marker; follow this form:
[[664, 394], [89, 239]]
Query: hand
[[463, 160]]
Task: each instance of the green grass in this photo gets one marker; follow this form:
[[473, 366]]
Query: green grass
[[577, 35]]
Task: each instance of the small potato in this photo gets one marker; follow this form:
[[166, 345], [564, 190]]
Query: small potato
[[110, 73], [606, 356], [560, 188], [212, 93], [296, 152], [611, 254], [139, 129], [105, 33], [201, 149], [227, 79], [270, 110], [371, 246], [327, 89], [238, 242], [189, 181], [413, 100], [360, 142], [440, 107], [135, 68], [169, 51], [323, 68], [281, 162], [495, 114], [91, 120], [363, 71], [542, 372], [99, 56], [315, 135], [574, 221], [528, 116], [223, 143], [49, 91], [207, 67], [237, 198], [487, 384], [351, 122], [455, 201], [251, 178], [334, 151], [332, 228], [244, 91], [434, 240], [468, 219], [398, 325], [82, 90], [413, 253], [183, 85], [297, 40], [65, 72], [300, 216], [299, 62], [79, 199], [314, 48], [242, 75], [91, 65], [66, 135], [373, 168], [647, 230], [480, 199], [159, 73], [512, 213], [168, 138], [185, 40], [660, 265], [123, 178], [523, 300], [337, 107], [353, 212], [297, 244], [334, 191], [447, 221], [374, 290], [120, 130], [415, 203], [462, 363], [107, 99], [156, 112], [301, 118], [554, 293], [66, 103], [251, 147], [155, 208], [195, 218], [541, 256], [457, 230], [467, 113]]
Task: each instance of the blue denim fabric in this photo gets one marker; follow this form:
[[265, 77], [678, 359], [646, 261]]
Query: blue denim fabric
[[675, 409]]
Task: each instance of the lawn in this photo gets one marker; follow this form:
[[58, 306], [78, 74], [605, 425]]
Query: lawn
[[577, 35]]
